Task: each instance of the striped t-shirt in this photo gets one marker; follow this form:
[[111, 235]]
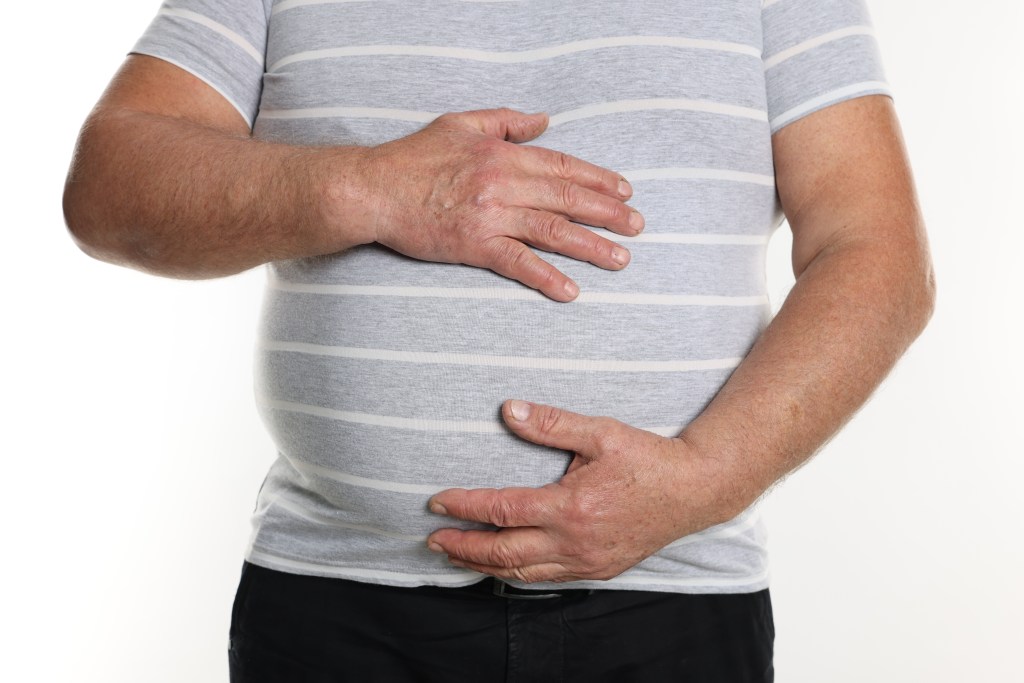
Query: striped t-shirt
[[380, 377]]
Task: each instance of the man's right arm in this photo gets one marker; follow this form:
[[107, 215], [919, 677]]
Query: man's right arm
[[166, 178]]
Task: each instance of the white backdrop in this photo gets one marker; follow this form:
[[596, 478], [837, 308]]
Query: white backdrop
[[133, 452]]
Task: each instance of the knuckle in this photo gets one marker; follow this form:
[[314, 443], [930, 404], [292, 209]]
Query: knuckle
[[581, 514], [501, 514], [446, 119], [549, 420], [512, 254], [620, 212], [505, 557], [607, 437], [550, 229], [525, 574], [482, 198], [562, 164], [569, 195]]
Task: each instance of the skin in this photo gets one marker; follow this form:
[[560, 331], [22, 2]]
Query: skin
[[864, 290], [167, 179]]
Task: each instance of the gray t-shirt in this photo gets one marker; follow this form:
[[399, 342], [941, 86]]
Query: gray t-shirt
[[380, 377]]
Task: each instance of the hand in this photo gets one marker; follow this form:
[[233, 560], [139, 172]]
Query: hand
[[460, 191], [627, 494]]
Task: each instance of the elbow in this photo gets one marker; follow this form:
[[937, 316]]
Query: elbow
[[76, 218], [83, 202], [919, 294], [79, 219], [926, 295], [98, 222], [87, 227]]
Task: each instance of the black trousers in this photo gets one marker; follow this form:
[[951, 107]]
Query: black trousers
[[288, 628]]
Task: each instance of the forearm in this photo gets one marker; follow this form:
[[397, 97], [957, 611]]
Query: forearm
[[852, 313], [171, 197]]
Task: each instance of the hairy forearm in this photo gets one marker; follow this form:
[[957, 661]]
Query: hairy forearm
[[171, 197], [852, 313]]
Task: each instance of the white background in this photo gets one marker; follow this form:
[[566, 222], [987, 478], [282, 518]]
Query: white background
[[133, 453]]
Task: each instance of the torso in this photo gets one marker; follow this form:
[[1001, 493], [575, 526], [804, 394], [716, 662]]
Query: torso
[[381, 377]]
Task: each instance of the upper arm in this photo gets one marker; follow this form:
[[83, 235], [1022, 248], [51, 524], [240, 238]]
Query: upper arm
[[843, 176], [840, 167], [151, 85], [198, 60]]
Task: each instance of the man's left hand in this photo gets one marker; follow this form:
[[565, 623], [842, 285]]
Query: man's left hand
[[626, 494]]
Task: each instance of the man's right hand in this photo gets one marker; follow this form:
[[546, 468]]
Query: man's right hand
[[460, 191], [167, 179]]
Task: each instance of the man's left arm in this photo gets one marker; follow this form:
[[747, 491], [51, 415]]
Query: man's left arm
[[864, 290]]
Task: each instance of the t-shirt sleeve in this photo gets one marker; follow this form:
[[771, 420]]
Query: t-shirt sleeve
[[222, 42], [817, 53]]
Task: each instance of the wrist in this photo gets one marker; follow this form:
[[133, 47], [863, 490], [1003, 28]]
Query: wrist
[[344, 212], [727, 483]]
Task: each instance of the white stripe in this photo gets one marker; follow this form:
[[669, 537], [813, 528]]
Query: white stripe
[[309, 469], [515, 56], [653, 104], [730, 530], [866, 87], [519, 362], [350, 112], [455, 577], [289, 4], [699, 174], [590, 111], [460, 426], [454, 426], [218, 28], [639, 579], [737, 527], [299, 511], [688, 238], [519, 294], [769, 3], [817, 41]]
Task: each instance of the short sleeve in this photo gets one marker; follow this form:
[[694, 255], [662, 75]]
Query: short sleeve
[[817, 53], [222, 42]]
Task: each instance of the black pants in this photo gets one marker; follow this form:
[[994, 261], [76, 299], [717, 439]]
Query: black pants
[[288, 628]]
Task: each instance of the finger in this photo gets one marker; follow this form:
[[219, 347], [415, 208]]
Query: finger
[[549, 163], [555, 234], [510, 507], [550, 426], [584, 205], [504, 124], [550, 571], [513, 259], [506, 548]]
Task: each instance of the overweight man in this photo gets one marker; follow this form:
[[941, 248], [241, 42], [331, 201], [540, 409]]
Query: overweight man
[[516, 354]]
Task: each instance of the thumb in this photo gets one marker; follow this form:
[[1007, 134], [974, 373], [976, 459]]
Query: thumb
[[550, 426], [507, 124]]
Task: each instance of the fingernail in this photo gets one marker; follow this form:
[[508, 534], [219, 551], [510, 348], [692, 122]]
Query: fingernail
[[571, 289], [620, 256], [435, 548], [437, 508], [520, 409], [625, 189], [636, 221]]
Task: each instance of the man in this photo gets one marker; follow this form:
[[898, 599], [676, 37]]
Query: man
[[400, 319]]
